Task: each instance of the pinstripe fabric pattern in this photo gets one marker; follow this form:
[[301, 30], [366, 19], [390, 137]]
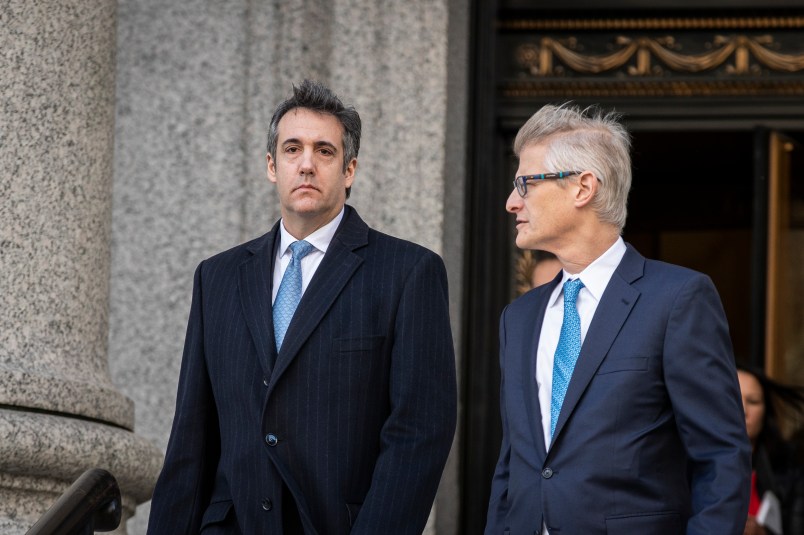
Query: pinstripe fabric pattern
[[357, 415]]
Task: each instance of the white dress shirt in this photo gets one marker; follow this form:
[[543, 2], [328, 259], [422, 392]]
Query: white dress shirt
[[319, 239]]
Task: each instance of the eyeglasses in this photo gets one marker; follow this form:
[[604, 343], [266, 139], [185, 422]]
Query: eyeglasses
[[521, 182]]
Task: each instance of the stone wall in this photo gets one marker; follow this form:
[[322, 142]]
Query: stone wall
[[60, 413]]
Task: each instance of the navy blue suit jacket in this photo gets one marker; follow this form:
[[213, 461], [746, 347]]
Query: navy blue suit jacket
[[354, 416], [651, 436]]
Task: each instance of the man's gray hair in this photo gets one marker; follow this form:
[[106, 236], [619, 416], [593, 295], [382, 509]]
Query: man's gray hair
[[589, 139]]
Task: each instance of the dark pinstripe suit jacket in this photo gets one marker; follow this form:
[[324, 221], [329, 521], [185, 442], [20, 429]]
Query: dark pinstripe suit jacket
[[355, 415]]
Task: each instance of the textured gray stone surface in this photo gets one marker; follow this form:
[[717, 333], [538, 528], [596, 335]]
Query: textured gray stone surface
[[196, 85], [57, 65], [178, 189], [56, 118]]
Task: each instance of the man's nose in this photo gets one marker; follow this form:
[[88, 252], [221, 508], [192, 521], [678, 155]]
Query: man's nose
[[306, 164], [514, 202]]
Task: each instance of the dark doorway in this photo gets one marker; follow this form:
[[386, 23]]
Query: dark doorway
[[691, 204]]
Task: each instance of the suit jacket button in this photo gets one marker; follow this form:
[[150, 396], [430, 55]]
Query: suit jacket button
[[267, 505], [265, 381], [271, 439], [547, 473]]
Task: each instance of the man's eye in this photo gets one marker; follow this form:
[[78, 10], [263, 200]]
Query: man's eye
[[292, 149], [326, 152]]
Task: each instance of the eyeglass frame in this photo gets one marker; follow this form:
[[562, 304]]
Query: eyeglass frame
[[521, 182]]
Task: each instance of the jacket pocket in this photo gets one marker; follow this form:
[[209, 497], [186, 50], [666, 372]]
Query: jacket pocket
[[352, 345], [623, 365], [216, 512], [665, 523]]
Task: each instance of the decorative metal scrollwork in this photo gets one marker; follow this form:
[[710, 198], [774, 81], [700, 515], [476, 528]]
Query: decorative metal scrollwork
[[650, 56]]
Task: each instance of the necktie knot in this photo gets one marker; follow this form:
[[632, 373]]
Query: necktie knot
[[571, 290], [299, 249]]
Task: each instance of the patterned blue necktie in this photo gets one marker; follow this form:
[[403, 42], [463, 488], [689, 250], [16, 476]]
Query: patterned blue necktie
[[569, 346], [290, 291]]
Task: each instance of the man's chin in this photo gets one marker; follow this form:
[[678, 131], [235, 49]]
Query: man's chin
[[523, 242], [306, 207]]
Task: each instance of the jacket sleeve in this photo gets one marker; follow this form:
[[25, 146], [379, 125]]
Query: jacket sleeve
[[184, 485], [417, 435], [498, 502], [701, 381]]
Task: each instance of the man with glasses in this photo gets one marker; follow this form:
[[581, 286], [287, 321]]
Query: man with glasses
[[620, 405], [317, 391]]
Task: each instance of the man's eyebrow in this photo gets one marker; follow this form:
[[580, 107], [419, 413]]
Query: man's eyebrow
[[323, 143], [317, 144]]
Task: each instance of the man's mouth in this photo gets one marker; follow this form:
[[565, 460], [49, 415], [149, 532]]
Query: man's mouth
[[305, 187]]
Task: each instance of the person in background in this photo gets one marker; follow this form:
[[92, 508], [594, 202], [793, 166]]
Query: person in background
[[619, 399], [534, 268], [332, 418], [776, 467]]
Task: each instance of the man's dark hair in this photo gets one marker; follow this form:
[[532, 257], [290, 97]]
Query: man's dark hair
[[315, 96]]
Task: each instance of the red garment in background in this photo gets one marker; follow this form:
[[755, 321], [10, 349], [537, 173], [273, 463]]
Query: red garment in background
[[753, 505]]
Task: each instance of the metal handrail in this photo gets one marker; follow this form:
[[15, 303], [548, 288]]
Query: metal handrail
[[91, 504]]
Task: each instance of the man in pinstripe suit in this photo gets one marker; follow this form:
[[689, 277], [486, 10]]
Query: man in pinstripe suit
[[346, 427]]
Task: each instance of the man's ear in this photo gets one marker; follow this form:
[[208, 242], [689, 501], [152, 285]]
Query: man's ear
[[271, 166], [349, 174], [588, 185]]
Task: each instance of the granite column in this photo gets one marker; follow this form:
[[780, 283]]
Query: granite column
[[60, 414]]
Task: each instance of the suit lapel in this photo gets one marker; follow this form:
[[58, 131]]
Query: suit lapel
[[335, 270], [255, 286], [614, 308], [529, 366]]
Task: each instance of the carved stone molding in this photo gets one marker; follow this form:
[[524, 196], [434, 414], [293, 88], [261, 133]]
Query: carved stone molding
[[651, 56], [730, 56]]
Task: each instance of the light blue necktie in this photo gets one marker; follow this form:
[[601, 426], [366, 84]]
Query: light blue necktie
[[290, 291], [569, 347]]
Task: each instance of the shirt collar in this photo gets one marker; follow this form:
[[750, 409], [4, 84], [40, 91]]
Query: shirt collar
[[319, 239], [597, 275]]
